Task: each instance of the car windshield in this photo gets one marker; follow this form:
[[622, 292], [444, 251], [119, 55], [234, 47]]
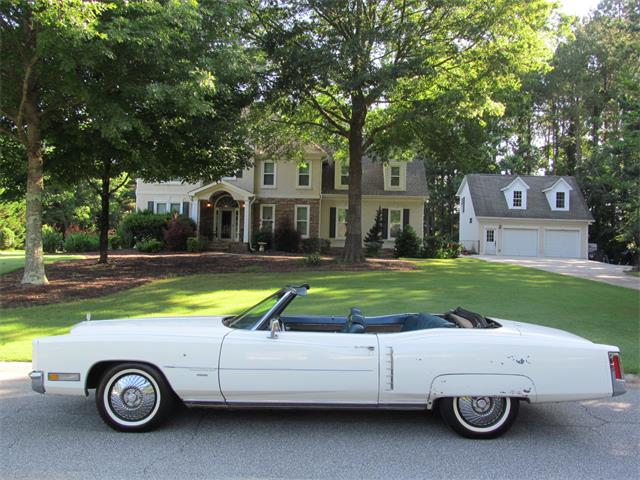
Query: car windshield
[[247, 319]]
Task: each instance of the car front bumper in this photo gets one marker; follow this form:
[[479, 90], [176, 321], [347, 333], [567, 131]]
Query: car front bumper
[[37, 381]]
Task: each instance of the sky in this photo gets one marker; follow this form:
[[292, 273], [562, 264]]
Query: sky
[[579, 8]]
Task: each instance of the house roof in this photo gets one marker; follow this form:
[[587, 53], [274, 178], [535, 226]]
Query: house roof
[[489, 201], [373, 179]]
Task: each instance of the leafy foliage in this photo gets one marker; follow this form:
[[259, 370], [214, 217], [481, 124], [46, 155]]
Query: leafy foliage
[[286, 238], [315, 245], [142, 226], [263, 236], [196, 244], [7, 238], [52, 240], [373, 240], [81, 242], [312, 259], [149, 246], [12, 216], [177, 232], [407, 243]]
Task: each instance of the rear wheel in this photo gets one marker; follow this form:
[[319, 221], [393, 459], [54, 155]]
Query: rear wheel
[[479, 417], [134, 397]]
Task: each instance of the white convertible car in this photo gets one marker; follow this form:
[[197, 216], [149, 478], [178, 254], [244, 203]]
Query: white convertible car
[[475, 370]]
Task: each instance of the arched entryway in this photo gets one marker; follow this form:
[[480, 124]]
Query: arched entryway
[[226, 217]]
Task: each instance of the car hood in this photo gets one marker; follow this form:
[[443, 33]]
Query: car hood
[[531, 330], [153, 325]]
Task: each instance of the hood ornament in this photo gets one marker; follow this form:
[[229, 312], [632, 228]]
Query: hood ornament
[[88, 317]]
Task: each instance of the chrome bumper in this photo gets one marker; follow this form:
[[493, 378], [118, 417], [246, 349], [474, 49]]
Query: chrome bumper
[[37, 381]]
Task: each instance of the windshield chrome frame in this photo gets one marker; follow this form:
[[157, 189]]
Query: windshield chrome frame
[[284, 300]]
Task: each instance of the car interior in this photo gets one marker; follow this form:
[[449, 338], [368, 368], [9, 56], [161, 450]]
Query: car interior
[[356, 322]]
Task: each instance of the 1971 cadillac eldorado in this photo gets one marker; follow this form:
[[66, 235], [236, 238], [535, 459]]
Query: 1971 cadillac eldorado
[[474, 370]]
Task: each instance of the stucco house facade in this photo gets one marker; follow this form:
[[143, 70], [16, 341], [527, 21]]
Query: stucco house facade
[[310, 195], [528, 216]]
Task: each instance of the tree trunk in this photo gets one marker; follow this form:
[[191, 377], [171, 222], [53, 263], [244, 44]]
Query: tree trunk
[[105, 197], [353, 243], [34, 273]]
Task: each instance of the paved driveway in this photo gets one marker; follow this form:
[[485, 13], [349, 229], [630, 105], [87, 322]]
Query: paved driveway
[[63, 438], [600, 272]]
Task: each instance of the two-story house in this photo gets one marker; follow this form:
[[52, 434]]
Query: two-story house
[[523, 215], [310, 195]]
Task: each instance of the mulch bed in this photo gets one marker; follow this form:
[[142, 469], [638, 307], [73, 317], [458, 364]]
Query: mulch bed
[[80, 279]]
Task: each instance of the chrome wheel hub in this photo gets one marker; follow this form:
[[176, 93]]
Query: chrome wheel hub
[[481, 411], [132, 397]]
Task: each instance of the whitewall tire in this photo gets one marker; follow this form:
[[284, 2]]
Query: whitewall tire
[[479, 417], [134, 397]]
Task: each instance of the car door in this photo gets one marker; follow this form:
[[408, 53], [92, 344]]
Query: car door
[[299, 367]]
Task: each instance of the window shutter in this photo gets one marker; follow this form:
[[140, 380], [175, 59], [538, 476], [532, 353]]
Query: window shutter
[[150, 206], [185, 209], [385, 223], [405, 217], [332, 222]]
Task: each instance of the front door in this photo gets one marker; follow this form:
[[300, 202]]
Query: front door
[[299, 367], [489, 241], [225, 224]]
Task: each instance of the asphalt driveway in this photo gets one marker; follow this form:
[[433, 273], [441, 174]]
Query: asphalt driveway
[[600, 272], [63, 438]]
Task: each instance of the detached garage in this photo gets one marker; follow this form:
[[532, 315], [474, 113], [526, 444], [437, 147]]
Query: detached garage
[[523, 216], [520, 242]]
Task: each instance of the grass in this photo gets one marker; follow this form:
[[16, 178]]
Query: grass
[[600, 312], [11, 260]]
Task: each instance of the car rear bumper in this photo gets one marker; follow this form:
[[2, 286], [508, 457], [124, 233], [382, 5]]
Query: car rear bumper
[[37, 381]]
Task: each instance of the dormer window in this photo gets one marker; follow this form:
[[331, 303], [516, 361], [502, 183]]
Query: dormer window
[[560, 196], [517, 198], [395, 176]]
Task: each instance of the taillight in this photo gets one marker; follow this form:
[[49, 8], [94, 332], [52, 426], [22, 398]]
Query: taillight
[[614, 363]]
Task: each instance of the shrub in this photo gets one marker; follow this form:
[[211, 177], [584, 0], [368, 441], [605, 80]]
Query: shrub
[[315, 245], [265, 236], [438, 247], [176, 233], [139, 226], [149, 246], [12, 216], [52, 240], [407, 243], [373, 240], [450, 250], [312, 260], [81, 242], [115, 242], [7, 238], [286, 238], [196, 244]]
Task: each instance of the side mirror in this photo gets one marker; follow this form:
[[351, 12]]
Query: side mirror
[[275, 328]]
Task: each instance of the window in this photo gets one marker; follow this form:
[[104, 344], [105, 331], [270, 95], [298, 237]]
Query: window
[[344, 175], [302, 220], [395, 222], [490, 236], [267, 217], [150, 206], [175, 208], [161, 208], [341, 222], [269, 174], [395, 176], [304, 175], [462, 204], [559, 199], [517, 198]]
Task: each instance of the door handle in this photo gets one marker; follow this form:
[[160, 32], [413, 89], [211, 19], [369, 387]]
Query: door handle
[[368, 347]]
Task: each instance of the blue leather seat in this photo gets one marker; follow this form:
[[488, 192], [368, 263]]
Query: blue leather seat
[[423, 321], [355, 322]]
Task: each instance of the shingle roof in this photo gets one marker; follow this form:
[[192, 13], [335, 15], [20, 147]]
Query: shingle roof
[[373, 179], [489, 201]]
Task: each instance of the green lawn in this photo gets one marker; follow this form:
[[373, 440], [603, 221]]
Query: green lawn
[[11, 260], [600, 312]]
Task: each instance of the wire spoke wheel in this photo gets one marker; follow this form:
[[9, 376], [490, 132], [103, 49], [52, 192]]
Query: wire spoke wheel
[[132, 397], [479, 417], [481, 412]]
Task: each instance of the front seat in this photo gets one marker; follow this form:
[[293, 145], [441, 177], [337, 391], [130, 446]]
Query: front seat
[[355, 322]]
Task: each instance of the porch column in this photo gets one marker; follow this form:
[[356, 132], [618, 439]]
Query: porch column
[[195, 207], [246, 223]]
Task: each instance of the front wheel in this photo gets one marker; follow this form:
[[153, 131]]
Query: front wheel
[[134, 397], [479, 417]]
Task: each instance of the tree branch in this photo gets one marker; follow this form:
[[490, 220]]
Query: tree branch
[[311, 124], [120, 185], [327, 115]]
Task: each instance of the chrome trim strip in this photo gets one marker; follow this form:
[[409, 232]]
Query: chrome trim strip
[[273, 309], [296, 370], [310, 405], [389, 369]]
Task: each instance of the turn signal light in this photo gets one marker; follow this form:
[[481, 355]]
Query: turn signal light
[[63, 377], [614, 362]]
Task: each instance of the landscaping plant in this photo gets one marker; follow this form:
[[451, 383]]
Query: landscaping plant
[[373, 240], [176, 233], [81, 242], [150, 245], [7, 238], [52, 240], [407, 243], [286, 238]]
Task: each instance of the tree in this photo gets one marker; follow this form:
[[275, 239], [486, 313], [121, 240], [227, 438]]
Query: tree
[[43, 45], [353, 71], [373, 240]]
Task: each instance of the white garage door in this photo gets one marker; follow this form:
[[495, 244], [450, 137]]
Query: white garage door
[[520, 242], [562, 243]]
